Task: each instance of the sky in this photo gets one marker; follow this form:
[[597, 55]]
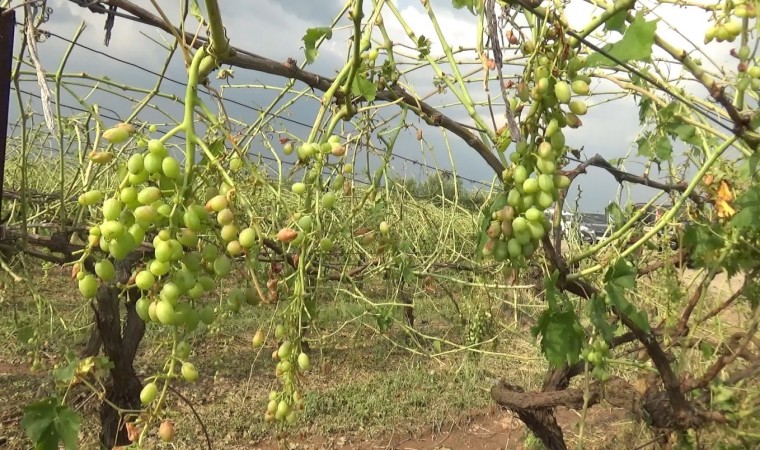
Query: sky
[[274, 29]]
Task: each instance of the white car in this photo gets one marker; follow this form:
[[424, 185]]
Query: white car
[[569, 225]]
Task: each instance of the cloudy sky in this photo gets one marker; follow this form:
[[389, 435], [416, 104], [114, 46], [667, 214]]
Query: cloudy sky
[[274, 29]]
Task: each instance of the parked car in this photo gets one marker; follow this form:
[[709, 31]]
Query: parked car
[[570, 224]]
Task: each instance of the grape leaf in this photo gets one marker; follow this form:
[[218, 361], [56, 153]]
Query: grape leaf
[[561, 336], [618, 279], [663, 149], [597, 313], [616, 22], [364, 88], [47, 423], [310, 41], [636, 44], [469, 4], [749, 203]]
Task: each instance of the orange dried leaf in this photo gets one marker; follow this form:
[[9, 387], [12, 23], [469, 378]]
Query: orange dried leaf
[[722, 200]]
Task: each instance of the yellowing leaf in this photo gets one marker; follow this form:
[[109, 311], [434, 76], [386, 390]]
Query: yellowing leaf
[[722, 200]]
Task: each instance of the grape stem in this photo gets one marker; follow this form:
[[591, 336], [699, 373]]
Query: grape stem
[[188, 125]]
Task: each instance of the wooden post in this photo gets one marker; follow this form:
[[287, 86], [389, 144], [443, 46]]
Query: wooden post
[[7, 29]]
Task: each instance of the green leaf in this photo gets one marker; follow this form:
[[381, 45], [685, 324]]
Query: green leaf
[[615, 215], [619, 278], [47, 423], [621, 275], [663, 148], [616, 22], [364, 88], [644, 147], [66, 372], [598, 314], [469, 4], [310, 41], [635, 45], [749, 210], [561, 336]]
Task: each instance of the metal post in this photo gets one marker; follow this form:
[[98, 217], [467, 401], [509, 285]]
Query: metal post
[[7, 29]]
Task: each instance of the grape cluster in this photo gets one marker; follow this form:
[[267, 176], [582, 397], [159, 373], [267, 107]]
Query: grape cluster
[[479, 326], [532, 181], [194, 245], [596, 353], [284, 405]]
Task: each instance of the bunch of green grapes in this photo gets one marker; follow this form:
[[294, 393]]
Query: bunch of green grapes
[[188, 247], [480, 326], [597, 353], [551, 86], [303, 237]]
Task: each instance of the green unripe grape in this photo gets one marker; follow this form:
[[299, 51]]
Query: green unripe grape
[[528, 249], [90, 198], [534, 215], [514, 248], [105, 270], [142, 307], [542, 85], [111, 209], [500, 251], [287, 148], [159, 268], [152, 163], [234, 248], [192, 221], [552, 128], [754, 72], [148, 393], [247, 237], [156, 146], [305, 223], [546, 183], [546, 166], [188, 237], [144, 280], [578, 107], [189, 372], [561, 181], [328, 200], [520, 224], [112, 229], [128, 196], [225, 217], [523, 237], [536, 230], [513, 198], [148, 195], [530, 186], [544, 200], [207, 315], [279, 332], [139, 178], [170, 293], [135, 163], [165, 312], [88, 286], [222, 266], [229, 232], [558, 140], [580, 87], [326, 244], [545, 150], [520, 175], [120, 247], [170, 168], [562, 92]]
